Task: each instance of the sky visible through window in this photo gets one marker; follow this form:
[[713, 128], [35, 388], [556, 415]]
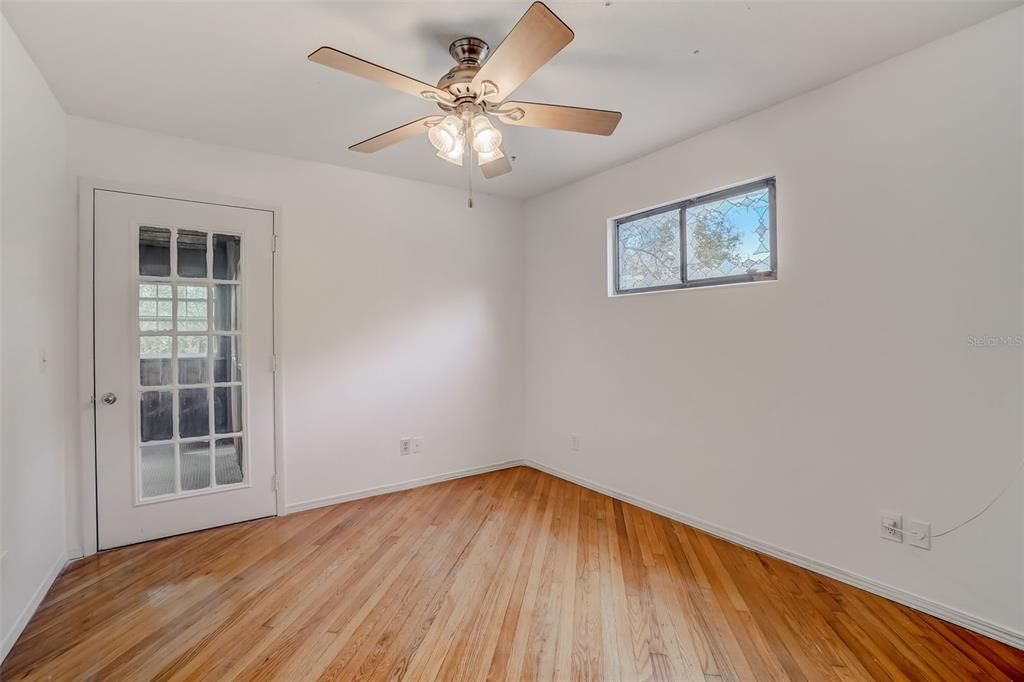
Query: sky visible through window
[[728, 237]]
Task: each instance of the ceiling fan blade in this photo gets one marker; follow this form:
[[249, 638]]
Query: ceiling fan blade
[[558, 117], [341, 61], [500, 166], [537, 38], [394, 136]]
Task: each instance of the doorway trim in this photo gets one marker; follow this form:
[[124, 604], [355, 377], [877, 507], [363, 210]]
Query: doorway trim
[[88, 530]]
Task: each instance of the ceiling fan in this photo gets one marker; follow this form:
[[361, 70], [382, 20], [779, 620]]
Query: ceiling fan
[[477, 88]]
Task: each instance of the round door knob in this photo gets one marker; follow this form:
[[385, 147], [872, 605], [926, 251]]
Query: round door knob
[[108, 398]]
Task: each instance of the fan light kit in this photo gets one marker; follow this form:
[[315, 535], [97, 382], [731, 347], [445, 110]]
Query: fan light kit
[[476, 89], [449, 136]]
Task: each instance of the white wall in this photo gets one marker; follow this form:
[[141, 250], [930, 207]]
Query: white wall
[[401, 308], [791, 412], [39, 270]]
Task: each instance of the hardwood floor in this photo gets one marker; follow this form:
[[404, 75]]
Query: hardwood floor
[[513, 575]]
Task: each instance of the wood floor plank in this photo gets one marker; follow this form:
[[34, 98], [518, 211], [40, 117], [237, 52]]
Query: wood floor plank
[[513, 575], [507, 662], [251, 620], [396, 599]]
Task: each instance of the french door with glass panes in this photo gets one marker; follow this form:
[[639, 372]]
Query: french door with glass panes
[[184, 366]]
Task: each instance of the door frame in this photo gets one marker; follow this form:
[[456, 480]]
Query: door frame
[[87, 494]]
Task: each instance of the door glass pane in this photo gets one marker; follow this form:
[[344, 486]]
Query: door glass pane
[[154, 252], [226, 251], [192, 359], [195, 465], [194, 412], [155, 309], [155, 409], [192, 312], [225, 307], [157, 470], [155, 360], [227, 362], [179, 318], [227, 412], [191, 253], [228, 452]]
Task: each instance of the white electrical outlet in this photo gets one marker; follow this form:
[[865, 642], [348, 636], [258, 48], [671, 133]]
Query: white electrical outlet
[[574, 442], [919, 534], [890, 527], [404, 446], [417, 445]]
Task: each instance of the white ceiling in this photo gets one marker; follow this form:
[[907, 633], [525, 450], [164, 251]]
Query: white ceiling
[[236, 73]]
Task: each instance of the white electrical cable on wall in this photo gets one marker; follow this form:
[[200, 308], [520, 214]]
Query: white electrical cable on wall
[[988, 506]]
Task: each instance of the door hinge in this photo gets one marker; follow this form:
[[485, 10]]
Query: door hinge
[[277, 242], [273, 482], [273, 363]]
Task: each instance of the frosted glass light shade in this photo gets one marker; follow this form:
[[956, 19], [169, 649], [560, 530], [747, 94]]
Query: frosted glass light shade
[[486, 138], [455, 154], [446, 135]]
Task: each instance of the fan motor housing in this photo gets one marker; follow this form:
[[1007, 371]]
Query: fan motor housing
[[459, 81], [469, 50], [469, 53]]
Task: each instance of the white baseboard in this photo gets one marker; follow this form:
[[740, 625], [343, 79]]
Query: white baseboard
[[404, 485], [947, 613], [26, 614]]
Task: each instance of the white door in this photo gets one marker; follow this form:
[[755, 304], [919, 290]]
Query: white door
[[184, 366]]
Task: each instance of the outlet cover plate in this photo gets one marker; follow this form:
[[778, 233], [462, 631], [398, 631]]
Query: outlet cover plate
[[417, 445], [919, 534], [404, 446], [889, 525]]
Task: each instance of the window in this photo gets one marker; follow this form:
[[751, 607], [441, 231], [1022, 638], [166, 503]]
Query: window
[[191, 427], [720, 238]]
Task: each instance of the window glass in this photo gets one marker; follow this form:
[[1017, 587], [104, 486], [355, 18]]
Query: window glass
[[154, 251], [191, 253], [720, 238], [649, 251], [190, 393], [729, 236]]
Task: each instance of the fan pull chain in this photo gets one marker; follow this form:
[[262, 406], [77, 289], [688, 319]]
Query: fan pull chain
[[468, 158]]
